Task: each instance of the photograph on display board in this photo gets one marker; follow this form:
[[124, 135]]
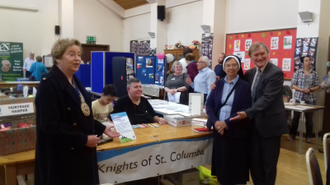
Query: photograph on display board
[[162, 80], [287, 42], [247, 64], [139, 66], [241, 55], [207, 45], [149, 63], [159, 67], [151, 75], [274, 61], [237, 45], [281, 43], [144, 72], [248, 43], [286, 64], [274, 43], [156, 78]]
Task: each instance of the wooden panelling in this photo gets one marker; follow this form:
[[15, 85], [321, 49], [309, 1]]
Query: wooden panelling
[[127, 4]]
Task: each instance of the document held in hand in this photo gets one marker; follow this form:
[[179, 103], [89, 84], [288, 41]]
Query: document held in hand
[[123, 127]]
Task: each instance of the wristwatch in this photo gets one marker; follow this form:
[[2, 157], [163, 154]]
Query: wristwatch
[[177, 90], [310, 90]]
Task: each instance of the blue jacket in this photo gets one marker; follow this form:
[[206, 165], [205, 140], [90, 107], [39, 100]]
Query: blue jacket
[[37, 69], [242, 101]]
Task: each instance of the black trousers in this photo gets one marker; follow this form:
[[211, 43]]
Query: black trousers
[[27, 74], [295, 123], [264, 153]]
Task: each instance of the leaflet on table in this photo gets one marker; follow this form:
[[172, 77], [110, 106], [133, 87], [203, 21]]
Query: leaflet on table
[[123, 127]]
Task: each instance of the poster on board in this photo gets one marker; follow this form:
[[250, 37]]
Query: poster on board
[[11, 57], [305, 47]]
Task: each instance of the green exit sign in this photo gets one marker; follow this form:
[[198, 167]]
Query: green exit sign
[[91, 40]]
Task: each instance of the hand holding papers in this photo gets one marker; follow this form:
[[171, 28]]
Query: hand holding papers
[[123, 126]]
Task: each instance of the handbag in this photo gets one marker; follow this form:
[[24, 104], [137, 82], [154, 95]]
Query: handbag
[[31, 77], [209, 123]]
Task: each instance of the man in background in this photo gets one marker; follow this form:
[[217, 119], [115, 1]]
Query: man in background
[[27, 64], [218, 69]]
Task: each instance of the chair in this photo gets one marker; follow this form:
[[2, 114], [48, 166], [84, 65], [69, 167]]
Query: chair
[[326, 149], [313, 168]]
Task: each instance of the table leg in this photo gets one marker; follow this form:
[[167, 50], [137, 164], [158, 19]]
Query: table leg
[[2, 175], [10, 173], [316, 131], [302, 117]]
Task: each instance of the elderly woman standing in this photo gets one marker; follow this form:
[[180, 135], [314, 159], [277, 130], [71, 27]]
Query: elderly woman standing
[[204, 79], [230, 148], [67, 135], [305, 81], [38, 69], [176, 82]]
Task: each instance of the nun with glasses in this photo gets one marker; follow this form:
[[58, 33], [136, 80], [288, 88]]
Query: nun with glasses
[[230, 148]]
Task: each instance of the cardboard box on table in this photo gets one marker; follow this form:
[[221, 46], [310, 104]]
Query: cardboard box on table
[[16, 139], [177, 120]]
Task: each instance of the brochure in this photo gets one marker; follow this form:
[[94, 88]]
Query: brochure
[[123, 126]]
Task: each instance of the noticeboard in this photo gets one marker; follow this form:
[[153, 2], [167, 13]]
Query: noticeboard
[[11, 57], [281, 44]]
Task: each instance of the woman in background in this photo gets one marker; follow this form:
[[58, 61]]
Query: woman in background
[[176, 82], [305, 81], [38, 69]]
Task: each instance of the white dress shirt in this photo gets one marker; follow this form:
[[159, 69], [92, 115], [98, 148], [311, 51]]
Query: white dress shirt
[[27, 63]]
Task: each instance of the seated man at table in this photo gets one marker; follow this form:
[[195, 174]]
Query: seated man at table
[[138, 108], [102, 107]]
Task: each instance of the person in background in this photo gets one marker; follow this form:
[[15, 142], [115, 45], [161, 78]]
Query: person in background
[[137, 108], [230, 159], [102, 107], [176, 82], [27, 64], [183, 60], [267, 115], [67, 135], [38, 69], [305, 81], [204, 79], [192, 70], [218, 69]]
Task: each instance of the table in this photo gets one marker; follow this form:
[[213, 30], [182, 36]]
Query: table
[[23, 163], [9, 84], [303, 109]]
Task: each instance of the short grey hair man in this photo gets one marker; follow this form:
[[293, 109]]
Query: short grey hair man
[[133, 80], [206, 60]]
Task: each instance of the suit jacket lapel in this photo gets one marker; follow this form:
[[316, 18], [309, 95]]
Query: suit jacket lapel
[[264, 73], [82, 90]]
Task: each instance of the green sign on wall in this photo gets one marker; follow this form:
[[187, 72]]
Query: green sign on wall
[[91, 40], [11, 57]]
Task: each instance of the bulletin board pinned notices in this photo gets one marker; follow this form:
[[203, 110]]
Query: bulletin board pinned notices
[[281, 45]]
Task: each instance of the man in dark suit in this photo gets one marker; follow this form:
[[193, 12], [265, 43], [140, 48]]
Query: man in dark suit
[[267, 115]]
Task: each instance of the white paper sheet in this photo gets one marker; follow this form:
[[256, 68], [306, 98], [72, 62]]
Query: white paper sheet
[[175, 98], [123, 126]]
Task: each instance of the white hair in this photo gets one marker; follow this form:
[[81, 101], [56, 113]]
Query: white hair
[[176, 63], [31, 53], [206, 60]]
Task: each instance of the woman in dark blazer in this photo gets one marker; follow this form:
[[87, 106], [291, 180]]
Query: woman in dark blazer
[[66, 133], [230, 148]]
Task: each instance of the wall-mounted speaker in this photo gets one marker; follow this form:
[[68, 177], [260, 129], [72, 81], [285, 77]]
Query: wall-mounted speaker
[[161, 12], [57, 30], [306, 17]]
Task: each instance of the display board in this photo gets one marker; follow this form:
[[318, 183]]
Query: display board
[[305, 47], [281, 45], [11, 57]]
